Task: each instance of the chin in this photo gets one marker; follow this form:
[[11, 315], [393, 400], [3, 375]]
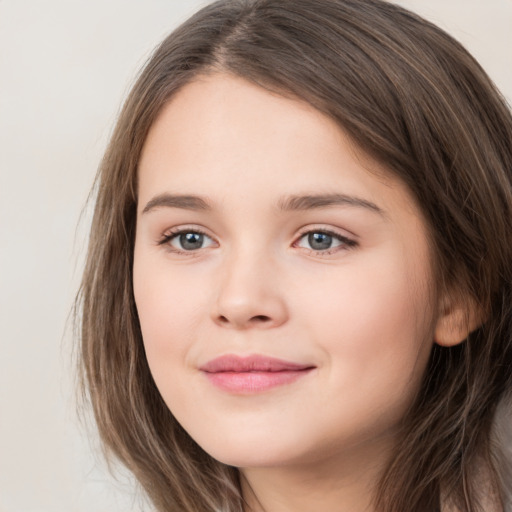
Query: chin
[[251, 451]]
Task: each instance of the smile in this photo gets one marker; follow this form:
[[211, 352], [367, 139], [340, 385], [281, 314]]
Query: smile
[[253, 374]]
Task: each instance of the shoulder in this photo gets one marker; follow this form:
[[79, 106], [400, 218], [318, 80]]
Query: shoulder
[[502, 449]]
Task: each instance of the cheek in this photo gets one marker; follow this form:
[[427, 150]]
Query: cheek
[[373, 322], [376, 339], [171, 313], [373, 294], [171, 310]]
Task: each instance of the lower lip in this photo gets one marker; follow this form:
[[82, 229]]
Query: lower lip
[[254, 382]]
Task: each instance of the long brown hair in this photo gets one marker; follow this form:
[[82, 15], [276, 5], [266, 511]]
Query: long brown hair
[[412, 98]]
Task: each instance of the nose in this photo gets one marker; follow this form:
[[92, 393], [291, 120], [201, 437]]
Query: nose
[[248, 294]]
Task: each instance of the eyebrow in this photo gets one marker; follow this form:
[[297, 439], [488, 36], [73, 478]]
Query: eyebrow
[[186, 202], [290, 203], [311, 202]]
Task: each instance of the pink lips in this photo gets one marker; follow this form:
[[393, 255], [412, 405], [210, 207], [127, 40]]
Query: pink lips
[[252, 374]]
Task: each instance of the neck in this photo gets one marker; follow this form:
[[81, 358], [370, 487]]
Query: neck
[[344, 482]]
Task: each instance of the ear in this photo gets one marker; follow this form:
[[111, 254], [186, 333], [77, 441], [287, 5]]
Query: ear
[[458, 317]]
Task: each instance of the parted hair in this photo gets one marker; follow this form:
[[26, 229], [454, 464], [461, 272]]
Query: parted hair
[[410, 97]]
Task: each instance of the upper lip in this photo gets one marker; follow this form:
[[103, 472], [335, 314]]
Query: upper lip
[[252, 363]]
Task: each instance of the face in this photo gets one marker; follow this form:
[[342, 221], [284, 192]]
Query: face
[[283, 289]]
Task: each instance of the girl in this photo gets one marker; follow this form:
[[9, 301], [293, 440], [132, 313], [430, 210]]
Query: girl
[[297, 295]]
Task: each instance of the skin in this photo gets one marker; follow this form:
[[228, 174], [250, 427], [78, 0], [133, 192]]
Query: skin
[[360, 313]]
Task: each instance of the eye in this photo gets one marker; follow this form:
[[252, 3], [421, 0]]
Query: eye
[[187, 240], [324, 241]]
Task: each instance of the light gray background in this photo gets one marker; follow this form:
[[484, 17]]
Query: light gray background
[[65, 66]]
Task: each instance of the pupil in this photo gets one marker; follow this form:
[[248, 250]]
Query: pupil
[[319, 241], [191, 241]]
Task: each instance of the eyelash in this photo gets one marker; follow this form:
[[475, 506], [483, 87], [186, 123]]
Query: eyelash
[[345, 242], [168, 237]]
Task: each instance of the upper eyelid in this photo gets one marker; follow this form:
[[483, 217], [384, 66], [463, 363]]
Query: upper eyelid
[[342, 233], [187, 229], [301, 232], [348, 240]]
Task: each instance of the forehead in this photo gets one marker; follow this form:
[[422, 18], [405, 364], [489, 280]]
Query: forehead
[[224, 137]]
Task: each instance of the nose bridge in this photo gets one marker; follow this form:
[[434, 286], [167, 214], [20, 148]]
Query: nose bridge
[[248, 294]]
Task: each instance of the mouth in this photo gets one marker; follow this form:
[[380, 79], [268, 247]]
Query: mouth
[[252, 374]]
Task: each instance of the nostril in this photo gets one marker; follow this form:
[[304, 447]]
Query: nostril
[[244, 321], [260, 318]]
